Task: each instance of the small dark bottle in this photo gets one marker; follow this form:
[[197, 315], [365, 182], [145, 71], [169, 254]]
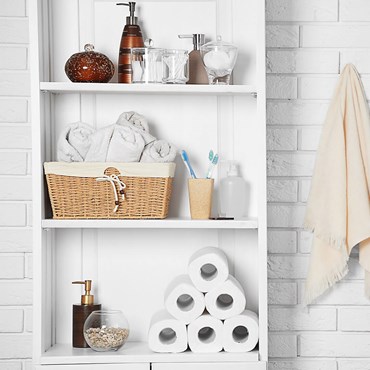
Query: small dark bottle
[[131, 38], [81, 313]]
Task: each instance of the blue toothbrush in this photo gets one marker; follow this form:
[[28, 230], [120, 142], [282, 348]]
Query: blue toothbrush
[[185, 158]]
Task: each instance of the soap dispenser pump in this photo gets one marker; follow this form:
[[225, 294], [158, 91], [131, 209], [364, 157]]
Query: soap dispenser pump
[[197, 72], [81, 313], [131, 38]]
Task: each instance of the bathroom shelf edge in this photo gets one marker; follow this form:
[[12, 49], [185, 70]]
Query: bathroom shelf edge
[[110, 88], [169, 223], [137, 352]]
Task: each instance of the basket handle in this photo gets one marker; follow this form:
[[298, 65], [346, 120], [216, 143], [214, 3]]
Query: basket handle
[[114, 179]]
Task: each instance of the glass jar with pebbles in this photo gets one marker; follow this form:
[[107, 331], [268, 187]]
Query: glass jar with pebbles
[[106, 330]]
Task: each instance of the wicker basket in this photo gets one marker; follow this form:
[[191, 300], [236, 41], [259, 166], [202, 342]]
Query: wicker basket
[[93, 190]]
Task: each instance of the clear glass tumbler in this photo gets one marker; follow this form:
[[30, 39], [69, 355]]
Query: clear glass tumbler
[[146, 65], [175, 66], [106, 330], [219, 60]]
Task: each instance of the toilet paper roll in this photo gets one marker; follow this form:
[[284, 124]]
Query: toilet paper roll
[[207, 268], [227, 300], [205, 334], [183, 300], [241, 332], [166, 334]]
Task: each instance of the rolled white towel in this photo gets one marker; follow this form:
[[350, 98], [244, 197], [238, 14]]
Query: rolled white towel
[[138, 122], [126, 145], [100, 142], [116, 143], [74, 142], [159, 151]]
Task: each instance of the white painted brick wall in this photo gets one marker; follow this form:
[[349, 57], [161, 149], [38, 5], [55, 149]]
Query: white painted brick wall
[[285, 216], [302, 61], [15, 189], [282, 345], [282, 191], [335, 36], [296, 112], [279, 87], [15, 346], [12, 8], [282, 36], [282, 241], [354, 319], [308, 44], [13, 30], [304, 365], [13, 110], [335, 345], [282, 293], [301, 10], [353, 364], [5, 365]]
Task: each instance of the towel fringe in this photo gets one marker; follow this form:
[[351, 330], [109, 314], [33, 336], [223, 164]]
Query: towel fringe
[[313, 292], [335, 242]]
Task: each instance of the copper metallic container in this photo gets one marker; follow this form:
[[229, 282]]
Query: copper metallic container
[[131, 38]]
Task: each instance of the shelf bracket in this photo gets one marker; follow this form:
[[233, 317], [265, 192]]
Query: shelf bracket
[[254, 94]]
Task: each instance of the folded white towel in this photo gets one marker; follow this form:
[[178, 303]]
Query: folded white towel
[[128, 140], [159, 151], [116, 143], [138, 123], [100, 142], [74, 142], [126, 145]]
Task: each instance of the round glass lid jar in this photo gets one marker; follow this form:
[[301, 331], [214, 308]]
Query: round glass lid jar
[[89, 66], [219, 58]]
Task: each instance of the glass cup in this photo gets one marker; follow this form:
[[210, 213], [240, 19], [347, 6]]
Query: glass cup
[[219, 60], [175, 66], [106, 330], [146, 65]]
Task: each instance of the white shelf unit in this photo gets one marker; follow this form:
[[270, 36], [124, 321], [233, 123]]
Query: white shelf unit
[[138, 258], [168, 223], [96, 88], [138, 352]]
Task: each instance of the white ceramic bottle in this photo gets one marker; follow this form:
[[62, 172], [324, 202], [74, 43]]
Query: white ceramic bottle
[[232, 194]]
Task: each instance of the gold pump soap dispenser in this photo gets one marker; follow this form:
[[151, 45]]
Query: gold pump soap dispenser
[[197, 72], [80, 314], [131, 38]]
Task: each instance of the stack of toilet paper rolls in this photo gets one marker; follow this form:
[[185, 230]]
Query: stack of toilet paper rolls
[[204, 310]]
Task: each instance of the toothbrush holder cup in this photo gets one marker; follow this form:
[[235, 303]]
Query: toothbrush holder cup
[[200, 198]]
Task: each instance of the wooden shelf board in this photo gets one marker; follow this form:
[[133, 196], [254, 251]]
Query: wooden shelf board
[[169, 223], [104, 88], [136, 352]]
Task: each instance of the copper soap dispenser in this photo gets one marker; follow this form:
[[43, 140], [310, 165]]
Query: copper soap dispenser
[[80, 314], [131, 38]]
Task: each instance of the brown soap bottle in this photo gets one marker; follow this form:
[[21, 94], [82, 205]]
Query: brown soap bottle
[[80, 314], [131, 38], [197, 72]]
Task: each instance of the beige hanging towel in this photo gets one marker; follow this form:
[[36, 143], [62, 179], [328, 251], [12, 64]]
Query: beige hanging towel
[[338, 208]]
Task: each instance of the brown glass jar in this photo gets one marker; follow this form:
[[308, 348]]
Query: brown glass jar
[[89, 66]]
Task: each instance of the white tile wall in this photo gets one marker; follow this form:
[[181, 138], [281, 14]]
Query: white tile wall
[[15, 189], [308, 43]]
